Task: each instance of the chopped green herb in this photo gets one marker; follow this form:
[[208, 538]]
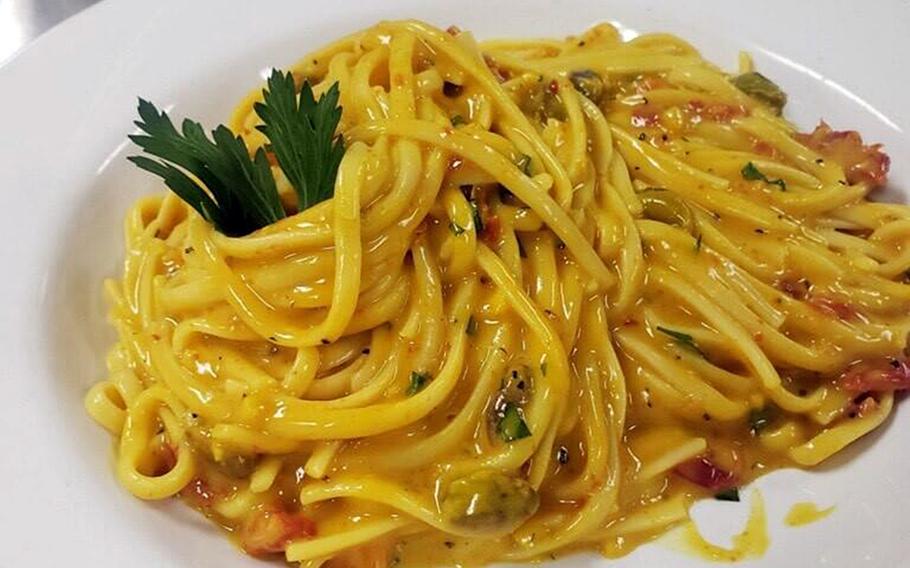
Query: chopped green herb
[[750, 172], [235, 193], [759, 419], [418, 381], [731, 494], [475, 215], [524, 164], [683, 339], [458, 120], [471, 328], [512, 426], [760, 87], [456, 228], [301, 133], [698, 243]]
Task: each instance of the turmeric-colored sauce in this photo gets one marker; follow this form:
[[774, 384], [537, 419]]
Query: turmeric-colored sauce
[[751, 542], [805, 513]]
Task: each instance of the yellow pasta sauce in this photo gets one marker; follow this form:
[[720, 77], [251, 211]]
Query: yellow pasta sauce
[[562, 289]]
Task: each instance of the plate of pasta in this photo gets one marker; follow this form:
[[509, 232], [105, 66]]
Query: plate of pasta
[[391, 284]]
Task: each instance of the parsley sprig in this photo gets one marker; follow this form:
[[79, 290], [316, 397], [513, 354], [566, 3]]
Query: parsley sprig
[[220, 178], [301, 133], [682, 339], [752, 173]]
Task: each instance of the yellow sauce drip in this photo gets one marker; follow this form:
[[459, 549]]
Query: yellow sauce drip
[[752, 542], [804, 513]]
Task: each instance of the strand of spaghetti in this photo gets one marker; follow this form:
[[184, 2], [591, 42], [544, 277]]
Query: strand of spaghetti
[[378, 490], [293, 420], [434, 446], [512, 114], [327, 546], [259, 316], [832, 440], [140, 426], [757, 360], [505, 172], [549, 400]]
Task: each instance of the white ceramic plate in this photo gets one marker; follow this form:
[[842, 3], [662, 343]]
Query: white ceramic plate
[[66, 105]]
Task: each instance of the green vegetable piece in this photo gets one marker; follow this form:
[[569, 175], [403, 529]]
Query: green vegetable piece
[[752, 173], [759, 419], [512, 425], [418, 382], [665, 207], [589, 84], [489, 502], [524, 164], [761, 88], [731, 494], [683, 339], [476, 216]]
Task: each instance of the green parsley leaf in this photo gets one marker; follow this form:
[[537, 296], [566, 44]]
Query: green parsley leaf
[[234, 192], [458, 120], [512, 425], [301, 133], [217, 176], [418, 381], [750, 172], [731, 494], [471, 328], [683, 339], [456, 228]]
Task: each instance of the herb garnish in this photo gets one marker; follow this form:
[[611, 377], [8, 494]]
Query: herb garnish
[[418, 381], [471, 328], [237, 195], [456, 228], [731, 494], [475, 215], [683, 339], [301, 133], [524, 164], [759, 418], [218, 178], [512, 426], [750, 172]]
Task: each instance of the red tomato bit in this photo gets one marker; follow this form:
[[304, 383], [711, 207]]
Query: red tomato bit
[[270, 531], [862, 163], [703, 472], [880, 375]]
